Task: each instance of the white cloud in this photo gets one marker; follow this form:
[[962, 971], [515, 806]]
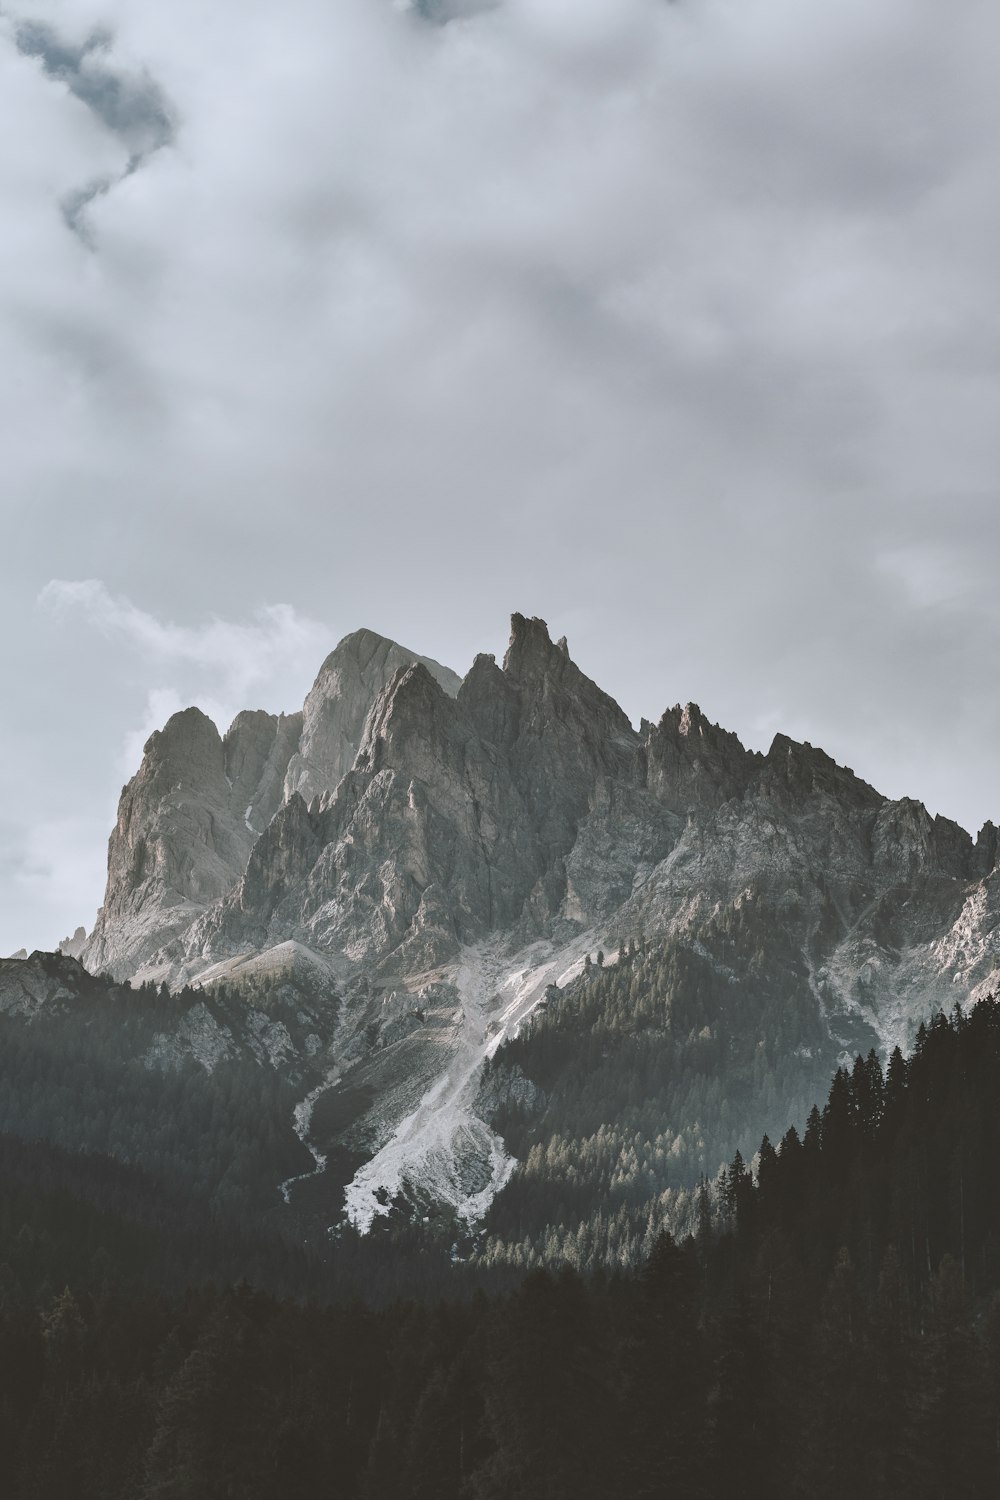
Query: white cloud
[[53, 835], [234, 659], [52, 872]]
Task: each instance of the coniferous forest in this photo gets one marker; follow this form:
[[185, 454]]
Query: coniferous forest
[[638, 1078], [831, 1326]]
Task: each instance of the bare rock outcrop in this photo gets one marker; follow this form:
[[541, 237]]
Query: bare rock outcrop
[[417, 815], [73, 946], [409, 835], [190, 817], [184, 831], [455, 820], [338, 704]]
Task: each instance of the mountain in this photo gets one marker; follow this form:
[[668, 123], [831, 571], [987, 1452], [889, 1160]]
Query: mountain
[[71, 946], [200, 801], [448, 856]]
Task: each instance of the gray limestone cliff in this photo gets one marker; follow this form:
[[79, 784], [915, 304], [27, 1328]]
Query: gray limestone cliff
[[199, 802], [334, 713], [455, 820], [443, 854], [407, 816], [72, 947], [185, 830]]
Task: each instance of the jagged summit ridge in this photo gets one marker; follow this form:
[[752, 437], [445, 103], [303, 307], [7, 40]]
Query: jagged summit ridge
[[186, 823], [419, 813], [333, 717], [439, 844], [189, 818], [454, 819]]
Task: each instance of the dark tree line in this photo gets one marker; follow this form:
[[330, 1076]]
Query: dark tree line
[[650, 1073], [832, 1329]]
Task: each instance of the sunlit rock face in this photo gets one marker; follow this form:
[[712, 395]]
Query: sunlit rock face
[[406, 814], [189, 818], [71, 947], [334, 713], [455, 820], [384, 887], [179, 843]]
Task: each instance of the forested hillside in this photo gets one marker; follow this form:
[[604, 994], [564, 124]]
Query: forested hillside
[[832, 1328], [144, 1138], [162, 1081], [643, 1076]]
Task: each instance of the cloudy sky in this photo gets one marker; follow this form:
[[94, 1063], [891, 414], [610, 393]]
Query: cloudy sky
[[675, 323]]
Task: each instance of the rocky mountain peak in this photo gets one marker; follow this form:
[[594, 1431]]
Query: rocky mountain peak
[[347, 686], [795, 769], [256, 750], [692, 720], [193, 812], [902, 840], [986, 850], [173, 849], [186, 824], [907, 841], [406, 830], [410, 717], [72, 947], [456, 816], [189, 743], [691, 762], [490, 701], [553, 689], [404, 815], [531, 650]]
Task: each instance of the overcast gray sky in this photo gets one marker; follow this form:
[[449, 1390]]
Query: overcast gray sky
[[673, 323]]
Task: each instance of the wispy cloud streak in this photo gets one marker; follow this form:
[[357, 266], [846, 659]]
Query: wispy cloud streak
[[238, 656], [131, 106]]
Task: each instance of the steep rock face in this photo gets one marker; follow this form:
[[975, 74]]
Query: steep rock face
[[457, 817], [692, 763], [574, 762], [524, 803], [30, 983], [984, 855], [183, 832], [477, 844], [72, 947], [878, 908], [907, 842], [570, 743], [425, 845], [257, 749], [189, 818], [334, 714], [348, 872]]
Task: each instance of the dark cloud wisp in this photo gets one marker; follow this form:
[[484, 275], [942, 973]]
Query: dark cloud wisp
[[132, 107]]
